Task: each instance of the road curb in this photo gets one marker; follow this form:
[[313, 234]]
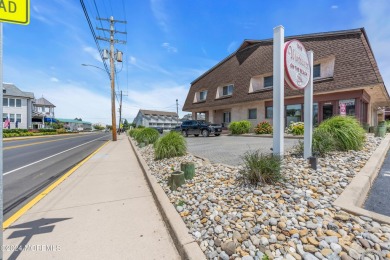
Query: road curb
[[355, 194], [187, 247]]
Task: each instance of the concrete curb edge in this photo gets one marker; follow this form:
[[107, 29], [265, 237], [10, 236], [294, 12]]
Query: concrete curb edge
[[187, 247], [354, 196]]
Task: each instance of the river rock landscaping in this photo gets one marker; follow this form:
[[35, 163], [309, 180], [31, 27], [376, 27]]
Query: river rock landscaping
[[293, 219]]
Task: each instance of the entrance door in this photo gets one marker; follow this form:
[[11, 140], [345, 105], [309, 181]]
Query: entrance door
[[327, 111]]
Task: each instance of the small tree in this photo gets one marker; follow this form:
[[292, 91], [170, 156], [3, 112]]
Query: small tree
[[126, 125], [98, 127]]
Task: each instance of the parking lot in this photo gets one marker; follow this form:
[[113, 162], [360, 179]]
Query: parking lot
[[229, 149]]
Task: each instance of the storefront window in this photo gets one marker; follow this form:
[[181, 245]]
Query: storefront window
[[315, 114], [347, 107], [293, 114]]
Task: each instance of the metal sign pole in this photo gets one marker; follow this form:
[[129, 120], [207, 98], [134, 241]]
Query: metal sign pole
[[308, 111], [278, 91], [1, 140]]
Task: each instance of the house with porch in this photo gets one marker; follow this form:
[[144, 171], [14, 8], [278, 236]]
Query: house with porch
[[43, 112], [240, 87], [17, 106]]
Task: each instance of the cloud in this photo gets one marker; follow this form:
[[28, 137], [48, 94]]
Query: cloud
[[232, 47], [160, 14], [161, 97], [54, 79], [334, 7], [93, 52], [377, 24], [142, 65], [168, 47]]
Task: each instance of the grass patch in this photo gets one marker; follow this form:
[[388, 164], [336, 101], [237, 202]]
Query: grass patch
[[261, 168], [147, 135]]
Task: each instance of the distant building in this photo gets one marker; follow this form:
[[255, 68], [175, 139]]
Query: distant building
[[43, 112], [17, 106], [75, 125], [151, 118]]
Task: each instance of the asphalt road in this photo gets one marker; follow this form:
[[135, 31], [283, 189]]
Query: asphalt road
[[31, 165], [378, 199]]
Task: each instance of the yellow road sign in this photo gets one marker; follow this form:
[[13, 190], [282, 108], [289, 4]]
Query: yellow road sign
[[15, 11]]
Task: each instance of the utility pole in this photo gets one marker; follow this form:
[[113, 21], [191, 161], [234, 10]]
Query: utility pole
[[120, 110], [177, 112], [112, 41]]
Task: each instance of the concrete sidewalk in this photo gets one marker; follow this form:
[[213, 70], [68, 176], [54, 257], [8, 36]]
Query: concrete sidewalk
[[104, 210]]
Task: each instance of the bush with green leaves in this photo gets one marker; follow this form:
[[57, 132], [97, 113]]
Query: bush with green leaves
[[147, 135], [240, 127], [261, 168], [133, 132], [170, 145], [346, 131], [296, 128], [263, 128]]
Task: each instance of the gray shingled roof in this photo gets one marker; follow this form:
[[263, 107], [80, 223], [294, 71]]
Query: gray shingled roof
[[43, 102], [12, 90], [159, 113]]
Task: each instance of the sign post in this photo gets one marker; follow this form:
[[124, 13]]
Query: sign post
[[278, 91], [308, 110], [18, 12]]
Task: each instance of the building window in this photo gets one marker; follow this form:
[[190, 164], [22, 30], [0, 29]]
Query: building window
[[43, 109], [203, 95], [12, 118], [317, 71], [252, 113], [226, 117], [347, 107], [269, 112], [5, 102], [11, 102], [18, 103], [293, 114], [19, 118], [227, 90], [268, 81], [5, 116], [315, 114]]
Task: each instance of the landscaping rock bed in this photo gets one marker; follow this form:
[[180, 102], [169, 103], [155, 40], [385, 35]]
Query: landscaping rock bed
[[294, 219]]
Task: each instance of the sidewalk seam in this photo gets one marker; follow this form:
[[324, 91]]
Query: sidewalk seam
[[187, 247]]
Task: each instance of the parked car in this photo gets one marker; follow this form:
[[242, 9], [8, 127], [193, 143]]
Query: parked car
[[200, 127], [176, 129], [158, 128]]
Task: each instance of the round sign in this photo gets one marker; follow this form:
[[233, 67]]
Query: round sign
[[296, 65]]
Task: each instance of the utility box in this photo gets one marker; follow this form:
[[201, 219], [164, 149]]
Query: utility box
[[119, 56]]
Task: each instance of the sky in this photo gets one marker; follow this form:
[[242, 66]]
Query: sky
[[169, 43]]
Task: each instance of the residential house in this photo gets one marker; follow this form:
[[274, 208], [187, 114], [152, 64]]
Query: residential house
[[75, 124], [241, 86], [151, 118], [43, 112], [17, 106]]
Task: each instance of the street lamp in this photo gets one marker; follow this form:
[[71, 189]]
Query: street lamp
[[112, 102]]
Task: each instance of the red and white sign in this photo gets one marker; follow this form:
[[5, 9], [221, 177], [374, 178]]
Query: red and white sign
[[343, 109], [296, 65]]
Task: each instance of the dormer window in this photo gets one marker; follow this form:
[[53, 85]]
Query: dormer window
[[227, 90], [200, 96], [203, 95], [268, 82], [317, 71]]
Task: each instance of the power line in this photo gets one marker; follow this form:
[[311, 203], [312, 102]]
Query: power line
[[94, 37]]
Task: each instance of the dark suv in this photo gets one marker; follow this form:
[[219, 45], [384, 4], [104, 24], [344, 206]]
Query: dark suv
[[197, 127]]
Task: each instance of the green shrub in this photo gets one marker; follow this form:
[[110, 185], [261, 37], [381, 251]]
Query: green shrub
[[16, 131], [140, 126], [134, 132], [323, 142], [61, 131], [346, 131], [260, 168], [240, 127], [171, 145], [147, 135], [296, 128], [263, 128], [44, 130]]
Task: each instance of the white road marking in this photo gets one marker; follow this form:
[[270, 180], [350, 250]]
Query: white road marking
[[387, 175], [51, 156]]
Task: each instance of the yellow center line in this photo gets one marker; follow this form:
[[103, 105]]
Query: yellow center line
[[43, 142]]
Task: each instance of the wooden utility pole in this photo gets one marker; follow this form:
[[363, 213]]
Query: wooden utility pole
[[112, 41]]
